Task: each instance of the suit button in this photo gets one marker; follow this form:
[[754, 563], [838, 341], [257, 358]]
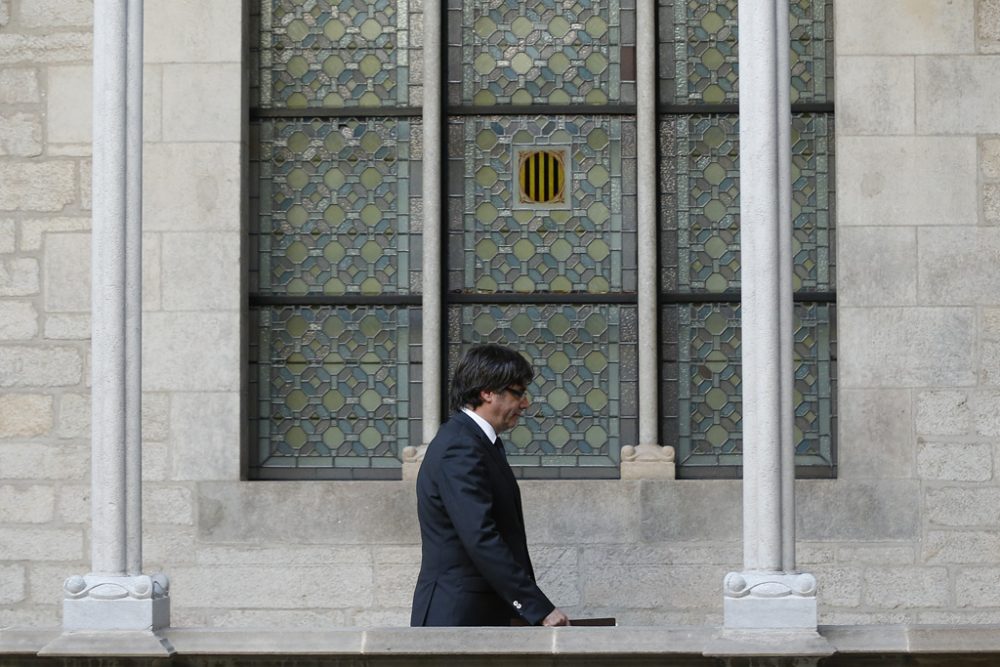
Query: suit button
[[517, 605]]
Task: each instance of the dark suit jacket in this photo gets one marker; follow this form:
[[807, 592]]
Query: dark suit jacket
[[475, 568]]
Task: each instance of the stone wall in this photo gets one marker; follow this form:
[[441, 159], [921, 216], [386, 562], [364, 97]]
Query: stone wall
[[907, 533]]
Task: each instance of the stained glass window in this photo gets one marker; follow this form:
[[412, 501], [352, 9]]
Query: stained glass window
[[335, 263], [700, 235]]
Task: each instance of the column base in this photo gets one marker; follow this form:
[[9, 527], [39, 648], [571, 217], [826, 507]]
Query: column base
[[116, 643], [109, 603], [412, 457], [648, 461], [769, 601]]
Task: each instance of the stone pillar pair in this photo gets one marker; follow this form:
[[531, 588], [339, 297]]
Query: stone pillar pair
[[115, 596]]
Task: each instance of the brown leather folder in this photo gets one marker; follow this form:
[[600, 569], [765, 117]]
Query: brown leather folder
[[519, 622]]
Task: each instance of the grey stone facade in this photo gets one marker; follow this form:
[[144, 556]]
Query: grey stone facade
[[908, 533]]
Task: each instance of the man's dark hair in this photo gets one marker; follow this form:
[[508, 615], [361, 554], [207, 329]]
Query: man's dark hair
[[487, 368]]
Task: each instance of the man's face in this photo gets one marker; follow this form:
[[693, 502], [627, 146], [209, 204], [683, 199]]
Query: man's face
[[503, 408]]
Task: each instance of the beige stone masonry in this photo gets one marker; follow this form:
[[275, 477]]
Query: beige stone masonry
[[62, 326], [875, 95], [218, 121], [904, 27], [18, 320], [20, 134], [8, 236], [939, 459], [956, 265], [201, 271], [907, 587], [957, 95], [67, 272], [33, 230], [878, 432], [58, 47], [50, 366], [878, 266], [40, 543], [37, 461], [12, 583], [196, 187], [18, 276], [37, 186], [192, 31], [25, 415], [19, 85], [988, 25], [27, 504], [943, 412]]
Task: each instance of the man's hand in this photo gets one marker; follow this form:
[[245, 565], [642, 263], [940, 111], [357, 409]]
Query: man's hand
[[556, 617]]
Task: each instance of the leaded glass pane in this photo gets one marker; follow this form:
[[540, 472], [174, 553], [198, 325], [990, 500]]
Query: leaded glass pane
[[699, 215], [699, 49], [702, 399], [587, 246], [583, 394], [334, 207], [332, 388], [555, 52], [336, 53]]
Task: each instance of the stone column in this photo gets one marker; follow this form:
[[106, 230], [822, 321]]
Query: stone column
[[115, 596], [769, 592], [647, 460], [430, 345]]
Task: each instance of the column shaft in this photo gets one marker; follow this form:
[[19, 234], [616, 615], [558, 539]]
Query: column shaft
[[108, 540], [432, 198]]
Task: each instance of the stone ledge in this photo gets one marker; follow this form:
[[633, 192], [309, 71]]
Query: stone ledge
[[597, 643]]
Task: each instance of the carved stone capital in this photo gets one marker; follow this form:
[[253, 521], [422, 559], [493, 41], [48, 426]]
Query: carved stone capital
[[96, 602], [412, 457], [648, 461], [769, 600]]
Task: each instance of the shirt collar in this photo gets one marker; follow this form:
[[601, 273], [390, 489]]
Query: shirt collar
[[483, 424]]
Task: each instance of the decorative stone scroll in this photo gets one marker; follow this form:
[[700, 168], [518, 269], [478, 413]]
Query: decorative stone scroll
[[648, 461], [770, 600], [101, 602]]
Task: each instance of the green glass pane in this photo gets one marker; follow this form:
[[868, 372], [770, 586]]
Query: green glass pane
[[334, 210], [702, 383], [583, 245], [700, 205], [585, 362], [334, 53], [699, 44], [332, 386], [542, 52]]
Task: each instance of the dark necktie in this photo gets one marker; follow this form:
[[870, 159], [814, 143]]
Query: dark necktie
[[499, 445]]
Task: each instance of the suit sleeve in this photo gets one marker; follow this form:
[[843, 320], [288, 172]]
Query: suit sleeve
[[465, 491]]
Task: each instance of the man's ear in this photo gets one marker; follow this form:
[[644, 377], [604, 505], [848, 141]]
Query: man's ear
[[486, 396]]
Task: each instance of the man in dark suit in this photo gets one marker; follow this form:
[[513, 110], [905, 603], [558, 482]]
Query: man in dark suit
[[475, 568]]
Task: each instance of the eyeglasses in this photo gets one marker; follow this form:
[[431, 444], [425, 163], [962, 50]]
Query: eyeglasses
[[516, 393]]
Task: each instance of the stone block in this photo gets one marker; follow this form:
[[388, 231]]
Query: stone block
[[394, 585], [963, 506], [20, 134], [943, 412], [44, 462], [167, 504], [25, 415], [977, 587], [551, 517], [33, 230], [955, 461], [829, 510], [957, 95], [876, 554], [297, 554], [37, 186], [155, 416], [69, 104], [86, 169], [192, 187], [874, 95], [557, 571], [18, 320], [18, 276], [647, 585], [8, 236], [953, 546], [906, 587], [19, 85], [53, 47], [277, 619], [988, 25], [204, 436], [812, 553], [71, 326], [911, 181], [27, 504], [12, 583], [73, 504], [191, 352], [193, 260], [684, 511], [964, 617], [875, 437], [991, 203], [38, 543], [218, 116], [189, 31], [166, 547], [56, 13], [955, 265], [904, 27], [989, 156], [40, 366], [67, 272], [353, 513], [155, 462], [272, 586], [906, 347], [985, 407], [74, 416], [878, 266], [989, 363], [152, 272]]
